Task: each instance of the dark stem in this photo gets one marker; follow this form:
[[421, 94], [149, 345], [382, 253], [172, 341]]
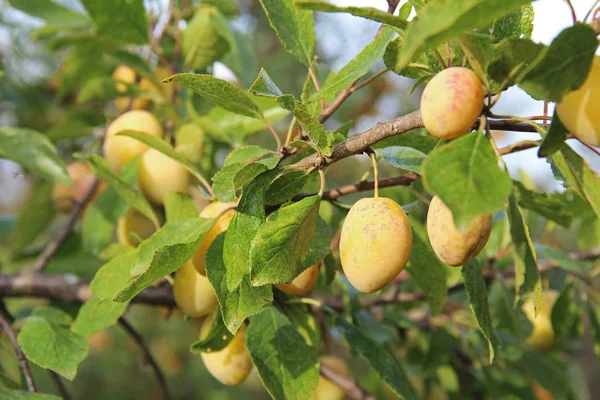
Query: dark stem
[[137, 337], [10, 333], [53, 247]]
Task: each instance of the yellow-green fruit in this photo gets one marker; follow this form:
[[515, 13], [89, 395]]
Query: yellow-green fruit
[[64, 196], [327, 390], [542, 336], [375, 243], [212, 211], [579, 111], [126, 76], [189, 141], [164, 90], [193, 292], [133, 222], [453, 246], [231, 365], [119, 150], [160, 175], [452, 102], [303, 283]]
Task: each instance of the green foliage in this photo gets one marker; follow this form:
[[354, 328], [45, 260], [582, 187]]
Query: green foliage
[[122, 20], [217, 337], [35, 216]]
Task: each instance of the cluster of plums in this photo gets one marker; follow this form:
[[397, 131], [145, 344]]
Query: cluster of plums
[[376, 237]]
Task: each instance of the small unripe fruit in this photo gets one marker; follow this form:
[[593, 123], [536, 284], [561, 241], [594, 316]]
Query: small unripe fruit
[[542, 336], [452, 102], [453, 246], [160, 175], [190, 142], [64, 196], [375, 243], [193, 292], [119, 150], [327, 390], [231, 365], [303, 283], [133, 222], [126, 76], [579, 111], [212, 211]]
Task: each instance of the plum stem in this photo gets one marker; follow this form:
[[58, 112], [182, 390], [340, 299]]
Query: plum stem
[[376, 174]]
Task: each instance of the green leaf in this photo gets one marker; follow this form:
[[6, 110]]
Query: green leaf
[[442, 21], [233, 177], [553, 206], [34, 152], [427, 269], [62, 350], [241, 303], [247, 154], [418, 139], [53, 315], [480, 52], [122, 20], [282, 243], [134, 197], [179, 207], [164, 252], [357, 67], [285, 187], [8, 394], [565, 312], [113, 275], [102, 214], [579, 175], [554, 139], [322, 140], [477, 292], [220, 92], [561, 259], [33, 218], [380, 358], [514, 58], [301, 318], [51, 12], [96, 315], [364, 12], [264, 86], [242, 57], [527, 276], [548, 372], [205, 38], [217, 337], [405, 158], [564, 66], [466, 176], [517, 24], [249, 216], [504, 314], [294, 27], [286, 364]]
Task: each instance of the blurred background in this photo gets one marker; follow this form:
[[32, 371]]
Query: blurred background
[[115, 369]]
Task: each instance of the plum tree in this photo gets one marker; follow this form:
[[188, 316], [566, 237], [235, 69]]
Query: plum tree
[[375, 243], [213, 210], [327, 390], [451, 102], [193, 292], [454, 246], [232, 364], [303, 283], [64, 196], [542, 336], [132, 223], [119, 150], [578, 110], [160, 174]]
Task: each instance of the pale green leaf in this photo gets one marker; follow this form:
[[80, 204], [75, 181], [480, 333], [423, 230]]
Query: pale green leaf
[[405, 158], [96, 315], [179, 207], [51, 12], [122, 20], [9, 394], [217, 337], [33, 218], [364, 12]]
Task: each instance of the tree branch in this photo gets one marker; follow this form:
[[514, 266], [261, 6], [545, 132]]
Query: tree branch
[[139, 339], [360, 143], [351, 387], [53, 247], [20, 356]]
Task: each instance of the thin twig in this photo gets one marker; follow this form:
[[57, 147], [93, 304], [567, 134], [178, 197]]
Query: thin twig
[[138, 338], [349, 385], [573, 14], [313, 77], [55, 245], [370, 79], [10, 333], [64, 393], [440, 58]]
